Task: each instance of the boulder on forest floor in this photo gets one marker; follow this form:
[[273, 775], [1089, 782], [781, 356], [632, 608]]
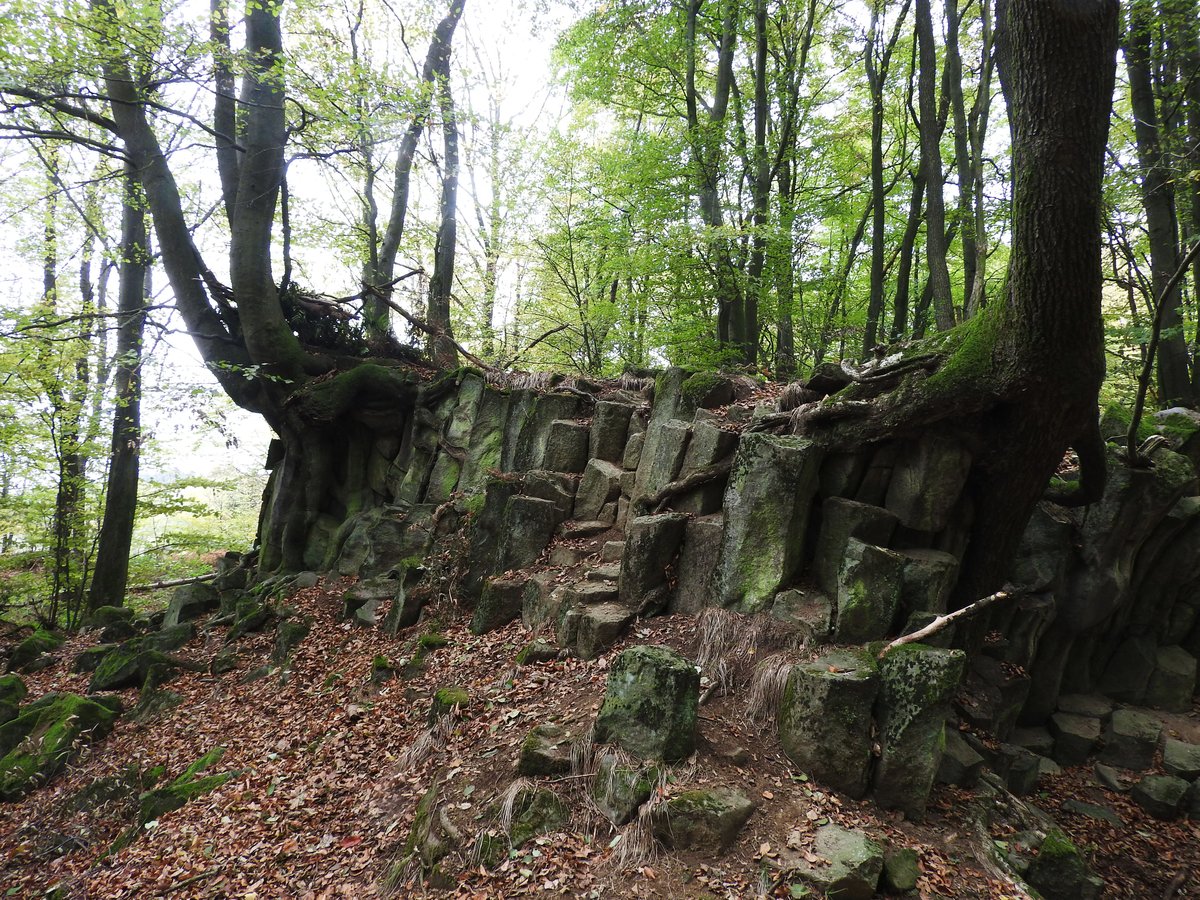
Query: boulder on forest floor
[[844, 864], [702, 819], [650, 704], [42, 739], [546, 750], [29, 653]]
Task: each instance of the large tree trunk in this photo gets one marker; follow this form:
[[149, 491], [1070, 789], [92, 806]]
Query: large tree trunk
[[111, 571], [1020, 384]]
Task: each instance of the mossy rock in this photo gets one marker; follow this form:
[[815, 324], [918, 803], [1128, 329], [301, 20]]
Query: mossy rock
[[1060, 872], [12, 692], [536, 811], [224, 660], [127, 666], [445, 700], [901, 869], [160, 801], [382, 669], [104, 616], [288, 635], [30, 649], [89, 659], [706, 390], [620, 790], [431, 641], [546, 750], [167, 640], [703, 819], [38, 743], [250, 615], [650, 704], [537, 651]]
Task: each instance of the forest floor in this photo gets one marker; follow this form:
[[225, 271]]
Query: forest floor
[[326, 785]]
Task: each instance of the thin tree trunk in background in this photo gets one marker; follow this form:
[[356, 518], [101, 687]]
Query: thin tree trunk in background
[[441, 283], [908, 245], [931, 162], [760, 187], [785, 277], [111, 573], [963, 161], [1158, 199], [977, 125]]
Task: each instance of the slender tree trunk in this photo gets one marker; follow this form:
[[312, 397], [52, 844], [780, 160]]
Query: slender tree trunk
[[120, 502], [1158, 199], [962, 149], [441, 283], [931, 163]]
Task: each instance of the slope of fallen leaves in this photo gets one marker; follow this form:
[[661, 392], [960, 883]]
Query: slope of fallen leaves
[[324, 793]]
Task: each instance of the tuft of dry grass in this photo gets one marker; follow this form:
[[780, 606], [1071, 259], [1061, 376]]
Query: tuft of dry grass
[[427, 743], [766, 688]]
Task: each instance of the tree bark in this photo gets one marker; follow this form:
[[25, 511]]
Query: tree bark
[[111, 572], [931, 165]]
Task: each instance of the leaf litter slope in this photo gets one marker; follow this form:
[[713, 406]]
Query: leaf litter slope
[[324, 794]]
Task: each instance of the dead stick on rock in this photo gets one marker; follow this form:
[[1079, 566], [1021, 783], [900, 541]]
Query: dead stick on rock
[[199, 579], [949, 619], [656, 500]]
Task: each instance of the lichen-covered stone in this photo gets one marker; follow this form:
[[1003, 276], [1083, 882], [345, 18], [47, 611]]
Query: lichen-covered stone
[[191, 601], [695, 588], [810, 611], [825, 719], [501, 603], [927, 480], [37, 744], [917, 684], [927, 580], [767, 504], [1160, 795], [651, 545], [1181, 759], [901, 869], [536, 811], [103, 616], [610, 428], [663, 457], [566, 446], [868, 592], [1130, 740], [960, 763], [1173, 682], [529, 525], [702, 819], [1075, 737], [601, 484], [841, 520], [650, 704], [619, 790], [545, 751], [849, 864], [596, 628]]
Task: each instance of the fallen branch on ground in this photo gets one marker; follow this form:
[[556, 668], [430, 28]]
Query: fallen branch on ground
[[176, 582], [949, 619]]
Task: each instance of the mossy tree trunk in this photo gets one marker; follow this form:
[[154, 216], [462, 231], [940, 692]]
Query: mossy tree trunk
[[1018, 384]]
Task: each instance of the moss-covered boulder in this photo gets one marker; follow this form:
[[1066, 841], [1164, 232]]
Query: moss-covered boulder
[[38, 743], [446, 700], [1160, 795], [1173, 682], [917, 685], [1131, 739], [104, 616], [127, 666], [767, 505], [847, 864], [88, 659], [536, 651], [705, 390], [870, 583], [825, 719], [288, 635], [251, 614], [901, 869], [650, 704], [27, 653], [619, 789], [702, 819], [1059, 872], [535, 811], [162, 800], [191, 601], [12, 692], [546, 750], [501, 603], [651, 545]]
